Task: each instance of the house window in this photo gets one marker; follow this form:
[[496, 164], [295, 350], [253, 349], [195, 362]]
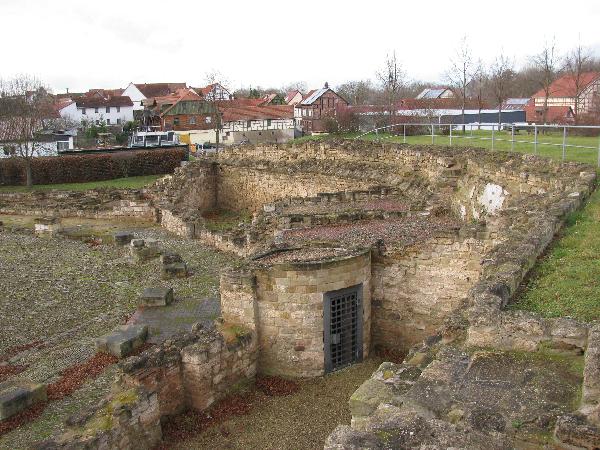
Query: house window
[[62, 145], [249, 124], [96, 110], [268, 122], [108, 109], [208, 119], [118, 121], [83, 111], [176, 121], [192, 120], [118, 109], [107, 121]]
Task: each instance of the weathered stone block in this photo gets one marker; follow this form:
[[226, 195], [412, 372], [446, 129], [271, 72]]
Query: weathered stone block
[[368, 396], [123, 237], [156, 296], [142, 254], [175, 270], [137, 243], [123, 341], [46, 225], [18, 395], [170, 258]]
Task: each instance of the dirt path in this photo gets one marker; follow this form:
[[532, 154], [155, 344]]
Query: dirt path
[[300, 421]]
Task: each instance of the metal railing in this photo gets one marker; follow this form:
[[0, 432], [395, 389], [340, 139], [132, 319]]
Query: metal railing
[[454, 132]]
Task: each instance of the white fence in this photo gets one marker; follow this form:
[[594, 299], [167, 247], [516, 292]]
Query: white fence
[[471, 131]]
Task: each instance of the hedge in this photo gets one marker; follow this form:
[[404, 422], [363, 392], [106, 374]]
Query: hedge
[[92, 167]]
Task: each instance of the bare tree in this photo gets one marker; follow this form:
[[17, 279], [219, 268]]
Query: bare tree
[[500, 77], [392, 80], [359, 92], [546, 64], [25, 110], [215, 78], [477, 87], [576, 64], [460, 74]]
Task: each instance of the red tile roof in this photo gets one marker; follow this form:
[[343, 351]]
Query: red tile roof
[[565, 85], [159, 89], [234, 113], [99, 102]]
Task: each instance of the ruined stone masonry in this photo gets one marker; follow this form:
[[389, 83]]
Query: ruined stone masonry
[[353, 246]]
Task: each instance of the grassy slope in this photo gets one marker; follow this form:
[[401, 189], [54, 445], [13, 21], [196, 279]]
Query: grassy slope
[[119, 183], [566, 282]]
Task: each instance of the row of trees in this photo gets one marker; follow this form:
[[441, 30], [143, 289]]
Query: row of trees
[[474, 81]]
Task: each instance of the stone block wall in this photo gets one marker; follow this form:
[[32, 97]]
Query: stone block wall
[[415, 289], [286, 302], [248, 188], [127, 419], [191, 188], [192, 370], [238, 298], [195, 370], [90, 204], [210, 372]]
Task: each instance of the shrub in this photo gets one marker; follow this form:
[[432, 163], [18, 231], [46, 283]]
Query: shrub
[[92, 167]]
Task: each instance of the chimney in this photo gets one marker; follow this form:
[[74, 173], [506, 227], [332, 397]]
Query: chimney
[[326, 85]]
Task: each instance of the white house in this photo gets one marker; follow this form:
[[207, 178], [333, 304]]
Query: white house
[[116, 110], [50, 144]]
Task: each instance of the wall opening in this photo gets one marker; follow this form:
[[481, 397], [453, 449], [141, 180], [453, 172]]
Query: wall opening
[[343, 323]]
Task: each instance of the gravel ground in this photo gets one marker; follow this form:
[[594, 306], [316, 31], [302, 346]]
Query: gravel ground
[[400, 231], [371, 205], [296, 422], [66, 293]]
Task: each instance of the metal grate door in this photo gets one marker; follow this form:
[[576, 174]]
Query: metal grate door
[[343, 327]]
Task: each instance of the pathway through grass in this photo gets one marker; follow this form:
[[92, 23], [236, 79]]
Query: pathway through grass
[[566, 282]]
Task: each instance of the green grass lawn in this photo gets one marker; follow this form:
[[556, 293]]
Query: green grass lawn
[[118, 183], [566, 282], [524, 142]]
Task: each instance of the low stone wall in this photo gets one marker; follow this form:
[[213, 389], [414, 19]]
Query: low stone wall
[[193, 370], [128, 419], [91, 204]]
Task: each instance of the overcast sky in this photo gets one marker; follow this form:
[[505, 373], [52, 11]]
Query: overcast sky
[[83, 44]]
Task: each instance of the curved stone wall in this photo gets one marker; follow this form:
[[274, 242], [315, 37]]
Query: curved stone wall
[[285, 301]]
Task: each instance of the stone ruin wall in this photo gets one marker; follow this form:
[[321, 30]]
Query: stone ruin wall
[[89, 204], [190, 371], [249, 189], [415, 289], [284, 303]]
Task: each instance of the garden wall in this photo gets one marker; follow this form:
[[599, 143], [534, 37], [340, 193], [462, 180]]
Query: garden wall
[[92, 167]]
